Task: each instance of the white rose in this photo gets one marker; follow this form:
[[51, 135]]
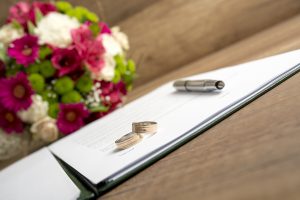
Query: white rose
[[111, 45], [9, 33], [120, 37], [107, 73], [55, 29], [36, 111], [45, 129]]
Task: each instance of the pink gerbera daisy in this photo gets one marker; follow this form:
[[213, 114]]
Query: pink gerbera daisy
[[10, 122], [25, 50], [15, 92], [71, 117]]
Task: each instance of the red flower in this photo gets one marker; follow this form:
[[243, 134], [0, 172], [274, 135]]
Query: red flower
[[71, 117], [44, 8], [104, 28], [91, 50], [15, 92], [10, 122], [66, 61], [25, 50], [94, 58], [82, 38], [111, 96], [20, 13]]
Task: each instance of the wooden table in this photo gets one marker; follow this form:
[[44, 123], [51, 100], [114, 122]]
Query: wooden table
[[253, 154]]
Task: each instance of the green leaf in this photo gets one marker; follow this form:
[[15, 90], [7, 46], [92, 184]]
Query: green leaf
[[129, 87], [16, 24], [131, 66], [3, 54], [117, 76], [120, 62], [53, 110], [128, 79], [13, 69], [31, 27], [95, 29], [44, 51], [99, 108], [92, 17], [38, 15]]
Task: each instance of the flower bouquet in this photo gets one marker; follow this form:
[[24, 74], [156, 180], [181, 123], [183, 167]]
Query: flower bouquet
[[60, 68]]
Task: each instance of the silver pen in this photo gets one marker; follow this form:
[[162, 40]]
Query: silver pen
[[199, 85]]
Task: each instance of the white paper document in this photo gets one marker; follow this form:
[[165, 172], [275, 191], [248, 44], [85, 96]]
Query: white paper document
[[37, 176], [92, 151]]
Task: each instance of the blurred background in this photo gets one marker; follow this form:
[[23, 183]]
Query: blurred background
[[168, 34]]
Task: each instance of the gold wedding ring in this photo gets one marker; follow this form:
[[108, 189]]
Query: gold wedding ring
[[128, 140], [144, 127], [134, 137]]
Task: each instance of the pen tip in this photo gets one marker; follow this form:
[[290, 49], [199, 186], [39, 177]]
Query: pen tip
[[220, 85]]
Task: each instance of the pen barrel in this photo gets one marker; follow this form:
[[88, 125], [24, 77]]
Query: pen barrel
[[199, 85]]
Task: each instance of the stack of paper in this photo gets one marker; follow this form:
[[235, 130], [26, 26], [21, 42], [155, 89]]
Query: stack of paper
[[92, 152], [38, 176]]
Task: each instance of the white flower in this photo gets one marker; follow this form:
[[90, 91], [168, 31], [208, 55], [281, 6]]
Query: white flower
[[120, 37], [9, 33], [111, 45], [36, 111], [107, 73], [45, 129], [55, 29], [10, 145]]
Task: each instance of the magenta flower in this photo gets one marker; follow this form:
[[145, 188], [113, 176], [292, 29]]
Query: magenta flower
[[112, 94], [66, 61], [82, 38], [94, 59], [71, 117], [104, 28], [91, 50], [25, 50], [15, 92], [20, 13], [44, 8], [10, 122]]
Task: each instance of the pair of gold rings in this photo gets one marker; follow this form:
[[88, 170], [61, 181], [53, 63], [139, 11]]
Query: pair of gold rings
[[134, 137]]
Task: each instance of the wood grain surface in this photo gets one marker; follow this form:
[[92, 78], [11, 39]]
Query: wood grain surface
[[253, 154], [279, 38], [167, 34], [172, 33]]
